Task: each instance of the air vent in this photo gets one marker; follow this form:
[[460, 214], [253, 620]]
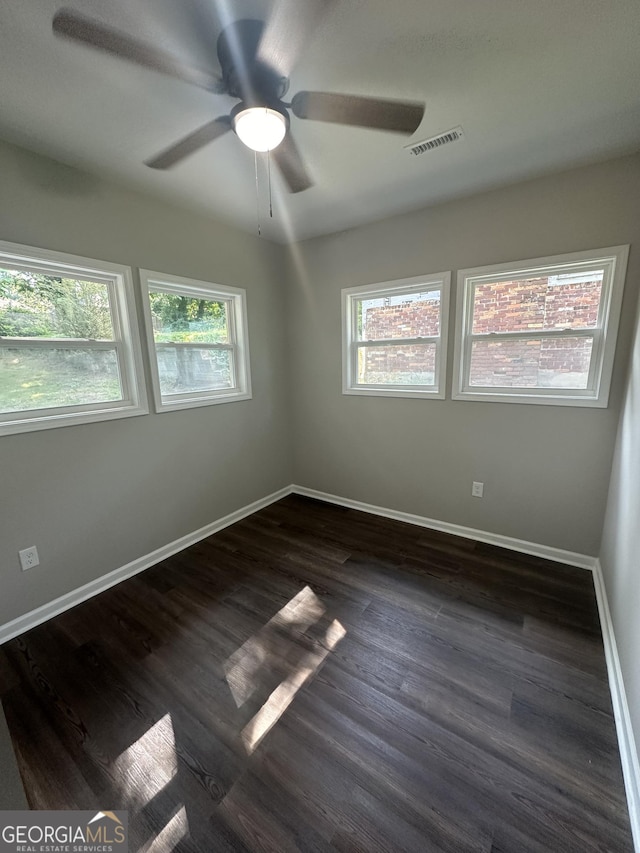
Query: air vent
[[436, 141]]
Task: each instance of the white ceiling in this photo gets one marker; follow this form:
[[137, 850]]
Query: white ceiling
[[538, 86]]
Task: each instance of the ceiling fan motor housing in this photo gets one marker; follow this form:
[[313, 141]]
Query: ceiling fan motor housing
[[243, 106], [244, 75]]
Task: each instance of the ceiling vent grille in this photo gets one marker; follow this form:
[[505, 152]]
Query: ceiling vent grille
[[436, 141]]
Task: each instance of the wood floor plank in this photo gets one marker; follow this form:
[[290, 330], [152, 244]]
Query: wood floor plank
[[316, 679]]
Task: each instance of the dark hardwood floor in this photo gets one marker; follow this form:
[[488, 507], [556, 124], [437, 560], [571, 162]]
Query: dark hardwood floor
[[318, 679]]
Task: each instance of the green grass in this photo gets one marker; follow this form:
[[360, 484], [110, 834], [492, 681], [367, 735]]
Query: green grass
[[44, 380]]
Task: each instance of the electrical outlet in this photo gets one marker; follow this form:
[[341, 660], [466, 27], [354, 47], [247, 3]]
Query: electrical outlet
[[29, 558], [477, 490]]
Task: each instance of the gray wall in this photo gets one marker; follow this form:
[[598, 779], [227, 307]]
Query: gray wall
[[545, 468], [620, 556], [96, 496]]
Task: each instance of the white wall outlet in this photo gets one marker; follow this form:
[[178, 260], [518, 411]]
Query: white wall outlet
[[477, 490], [29, 558]]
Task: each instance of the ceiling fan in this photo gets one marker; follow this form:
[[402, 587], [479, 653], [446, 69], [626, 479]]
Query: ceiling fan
[[255, 60]]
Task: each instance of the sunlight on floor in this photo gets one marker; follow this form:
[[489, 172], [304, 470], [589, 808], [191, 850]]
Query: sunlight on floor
[[148, 764], [170, 836], [145, 769], [283, 695], [270, 649], [242, 668]]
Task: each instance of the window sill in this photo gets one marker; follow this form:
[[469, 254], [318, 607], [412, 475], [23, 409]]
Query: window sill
[[392, 392], [32, 424], [193, 403], [532, 399]]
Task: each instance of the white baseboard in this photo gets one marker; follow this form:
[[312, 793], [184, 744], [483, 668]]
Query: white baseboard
[[35, 617], [626, 738], [65, 602], [570, 558]]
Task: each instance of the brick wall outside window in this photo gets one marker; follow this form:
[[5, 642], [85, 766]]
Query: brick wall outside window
[[542, 304], [524, 306], [409, 364], [529, 306]]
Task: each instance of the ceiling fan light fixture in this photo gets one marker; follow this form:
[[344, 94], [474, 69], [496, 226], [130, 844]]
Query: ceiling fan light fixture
[[260, 128]]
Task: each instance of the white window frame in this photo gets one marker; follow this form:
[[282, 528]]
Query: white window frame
[[614, 262], [126, 342], [350, 344], [236, 301]]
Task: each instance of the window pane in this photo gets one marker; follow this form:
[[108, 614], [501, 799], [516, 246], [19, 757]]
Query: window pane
[[183, 319], [544, 363], [411, 315], [410, 364], [568, 301], [183, 369], [42, 378], [33, 305]]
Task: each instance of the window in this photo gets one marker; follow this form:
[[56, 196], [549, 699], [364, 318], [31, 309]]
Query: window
[[540, 331], [394, 337], [198, 342], [67, 354]]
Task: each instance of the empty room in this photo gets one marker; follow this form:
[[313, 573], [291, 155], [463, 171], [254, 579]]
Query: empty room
[[319, 426]]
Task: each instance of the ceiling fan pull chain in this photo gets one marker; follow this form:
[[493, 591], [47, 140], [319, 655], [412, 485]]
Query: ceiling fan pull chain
[[269, 174], [255, 157]]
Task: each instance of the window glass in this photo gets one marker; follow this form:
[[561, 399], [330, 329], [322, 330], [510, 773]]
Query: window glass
[[50, 378], [549, 302], [184, 369], [410, 315], [67, 352], [394, 337], [534, 363], [198, 342], [412, 364], [34, 305], [188, 320], [541, 331]]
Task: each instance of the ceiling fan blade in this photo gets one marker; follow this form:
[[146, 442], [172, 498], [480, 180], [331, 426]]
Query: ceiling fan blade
[[191, 143], [397, 116], [78, 27], [289, 161], [288, 30]]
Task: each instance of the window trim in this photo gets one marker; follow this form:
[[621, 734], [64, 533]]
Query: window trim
[[126, 342], [614, 262], [238, 339], [416, 284]]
